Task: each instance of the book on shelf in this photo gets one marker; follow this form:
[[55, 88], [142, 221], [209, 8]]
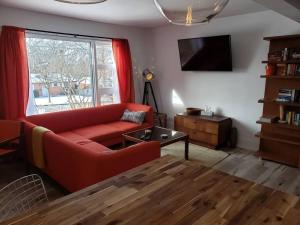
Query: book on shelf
[[269, 119], [281, 69], [292, 118], [293, 70], [288, 95]]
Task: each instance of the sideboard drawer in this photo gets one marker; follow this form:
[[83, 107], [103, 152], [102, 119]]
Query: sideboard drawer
[[207, 138], [200, 125]]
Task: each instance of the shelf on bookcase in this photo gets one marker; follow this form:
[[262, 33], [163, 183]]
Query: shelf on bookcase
[[294, 104], [280, 125], [282, 62], [273, 157], [281, 77], [279, 138]]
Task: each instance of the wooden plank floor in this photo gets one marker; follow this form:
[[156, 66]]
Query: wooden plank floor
[[245, 164], [171, 191]]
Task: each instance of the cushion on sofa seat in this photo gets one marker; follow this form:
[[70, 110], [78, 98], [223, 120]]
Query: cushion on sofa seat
[[84, 142], [75, 138], [125, 126], [98, 132]]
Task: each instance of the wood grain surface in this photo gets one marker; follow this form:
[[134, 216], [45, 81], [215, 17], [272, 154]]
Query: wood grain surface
[[168, 191]]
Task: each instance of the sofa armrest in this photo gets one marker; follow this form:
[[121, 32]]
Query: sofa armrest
[[28, 138], [76, 167], [145, 108], [128, 158]]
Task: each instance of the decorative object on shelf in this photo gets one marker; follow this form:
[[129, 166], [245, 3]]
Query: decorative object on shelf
[[285, 54], [268, 119], [182, 12], [81, 1], [270, 69], [295, 54], [193, 111], [207, 111]]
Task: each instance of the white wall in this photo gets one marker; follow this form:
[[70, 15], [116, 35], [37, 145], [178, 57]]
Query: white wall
[[232, 94], [33, 20]]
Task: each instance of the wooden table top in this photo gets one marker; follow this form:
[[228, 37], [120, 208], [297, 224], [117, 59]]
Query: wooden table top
[[170, 191]]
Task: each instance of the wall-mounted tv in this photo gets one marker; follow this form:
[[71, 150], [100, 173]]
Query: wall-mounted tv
[[206, 53]]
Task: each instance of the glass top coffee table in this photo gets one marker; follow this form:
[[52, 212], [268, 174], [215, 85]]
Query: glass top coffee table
[[163, 135]]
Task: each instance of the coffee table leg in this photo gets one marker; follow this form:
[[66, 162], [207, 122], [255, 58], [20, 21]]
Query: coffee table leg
[[124, 142], [187, 148]]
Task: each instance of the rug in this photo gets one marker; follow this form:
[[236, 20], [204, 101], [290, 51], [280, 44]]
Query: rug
[[205, 156]]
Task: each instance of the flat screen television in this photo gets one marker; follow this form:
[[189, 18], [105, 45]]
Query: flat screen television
[[206, 53]]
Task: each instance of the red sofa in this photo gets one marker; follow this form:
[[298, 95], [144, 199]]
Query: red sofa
[[77, 153]]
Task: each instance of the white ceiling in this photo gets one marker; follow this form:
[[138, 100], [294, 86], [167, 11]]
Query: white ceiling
[[142, 13]]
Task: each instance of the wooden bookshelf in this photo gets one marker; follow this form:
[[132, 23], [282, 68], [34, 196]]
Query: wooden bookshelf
[[282, 62], [292, 104], [281, 125], [280, 142], [281, 77]]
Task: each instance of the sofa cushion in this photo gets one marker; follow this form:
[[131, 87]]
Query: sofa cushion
[[128, 126], [99, 132], [136, 117], [84, 142]]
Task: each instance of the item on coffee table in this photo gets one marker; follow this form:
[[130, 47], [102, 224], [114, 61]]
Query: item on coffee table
[[148, 134], [164, 136]]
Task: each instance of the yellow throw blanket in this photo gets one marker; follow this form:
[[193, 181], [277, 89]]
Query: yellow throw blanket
[[38, 147]]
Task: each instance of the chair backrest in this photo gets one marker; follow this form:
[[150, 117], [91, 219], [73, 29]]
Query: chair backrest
[[22, 195], [10, 129]]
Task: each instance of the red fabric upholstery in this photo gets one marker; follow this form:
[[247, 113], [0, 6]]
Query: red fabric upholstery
[[74, 160], [123, 61], [14, 84], [124, 126], [78, 167], [99, 132], [70, 120]]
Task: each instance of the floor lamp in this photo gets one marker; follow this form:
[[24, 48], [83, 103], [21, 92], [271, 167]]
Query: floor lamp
[[148, 90]]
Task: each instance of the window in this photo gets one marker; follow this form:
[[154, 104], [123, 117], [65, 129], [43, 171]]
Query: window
[[69, 73]]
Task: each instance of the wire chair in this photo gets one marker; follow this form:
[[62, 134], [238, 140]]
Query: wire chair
[[22, 195]]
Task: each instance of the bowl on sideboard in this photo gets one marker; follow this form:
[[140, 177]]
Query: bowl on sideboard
[[193, 111]]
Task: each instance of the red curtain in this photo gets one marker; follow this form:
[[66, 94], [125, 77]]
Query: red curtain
[[14, 85], [123, 61]]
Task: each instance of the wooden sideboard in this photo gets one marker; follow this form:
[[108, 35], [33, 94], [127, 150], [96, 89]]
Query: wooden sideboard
[[212, 132]]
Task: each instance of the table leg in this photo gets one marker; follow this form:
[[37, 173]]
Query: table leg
[[187, 148], [124, 142]]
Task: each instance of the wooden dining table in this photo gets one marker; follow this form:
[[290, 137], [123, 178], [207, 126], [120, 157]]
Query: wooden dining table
[[169, 191]]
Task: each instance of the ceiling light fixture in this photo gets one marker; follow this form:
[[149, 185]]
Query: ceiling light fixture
[[190, 12], [81, 1]]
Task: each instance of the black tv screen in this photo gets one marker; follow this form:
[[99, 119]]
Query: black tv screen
[[206, 54]]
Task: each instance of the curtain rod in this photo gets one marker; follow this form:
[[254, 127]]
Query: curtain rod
[[61, 33]]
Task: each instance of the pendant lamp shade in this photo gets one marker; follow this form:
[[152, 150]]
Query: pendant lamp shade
[[81, 1], [190, 12]]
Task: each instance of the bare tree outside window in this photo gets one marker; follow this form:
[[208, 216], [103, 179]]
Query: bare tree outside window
[[61, 73]]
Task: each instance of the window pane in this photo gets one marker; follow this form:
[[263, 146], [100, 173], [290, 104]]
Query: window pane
[[108, 87], [60, 74]]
